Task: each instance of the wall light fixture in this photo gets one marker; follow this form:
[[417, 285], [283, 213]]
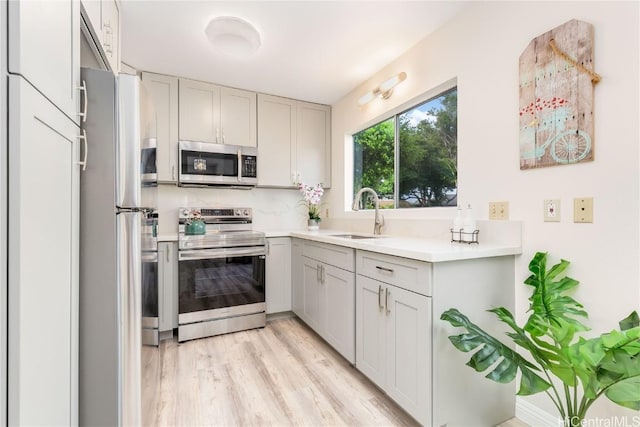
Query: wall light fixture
[[384, 90]]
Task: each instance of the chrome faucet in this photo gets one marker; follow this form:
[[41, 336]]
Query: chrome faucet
[[379, 219]]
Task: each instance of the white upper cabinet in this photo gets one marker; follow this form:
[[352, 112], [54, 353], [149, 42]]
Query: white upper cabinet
[[111, 33], [276, 136], [102, 18], [211, 113], [294, 142], [44, 47], [238, 117], [199, 111], [313, 144], [163, 90]]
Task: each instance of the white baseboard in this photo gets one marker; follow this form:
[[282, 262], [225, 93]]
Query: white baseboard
[[534, 416]]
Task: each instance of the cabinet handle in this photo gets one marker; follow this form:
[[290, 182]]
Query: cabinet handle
[[217, 135], [85, 105], [318, 273], [388, 270], [380, 306], [173, 172], [322, 274], [386, 300], [83, 137], [268, 247], [223, 136], [168, 252]]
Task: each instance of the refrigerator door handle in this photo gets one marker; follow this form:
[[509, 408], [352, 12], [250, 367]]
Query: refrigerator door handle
[[130, 315]]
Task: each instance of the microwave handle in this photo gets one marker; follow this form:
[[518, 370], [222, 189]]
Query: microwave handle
[[239, 165]]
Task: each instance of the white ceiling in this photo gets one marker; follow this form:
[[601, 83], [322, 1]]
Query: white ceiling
[[315, 51]]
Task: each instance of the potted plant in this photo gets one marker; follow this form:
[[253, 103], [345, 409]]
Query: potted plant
[[586, 368], [312, 196]]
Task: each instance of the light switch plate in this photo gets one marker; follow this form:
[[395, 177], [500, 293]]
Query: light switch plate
[[583, 209], [499, 210], [552, 210]]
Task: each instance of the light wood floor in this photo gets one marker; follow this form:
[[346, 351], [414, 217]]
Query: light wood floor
[[282, 375]]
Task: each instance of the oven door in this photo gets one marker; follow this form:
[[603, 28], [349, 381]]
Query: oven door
[[219, 283]]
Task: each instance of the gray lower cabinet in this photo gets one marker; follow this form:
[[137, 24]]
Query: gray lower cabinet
[[393, 339], [324, 292], [167, 287], [403, 346], [278, 275]]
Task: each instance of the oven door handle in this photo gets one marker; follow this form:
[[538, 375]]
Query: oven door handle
[[219, 253]]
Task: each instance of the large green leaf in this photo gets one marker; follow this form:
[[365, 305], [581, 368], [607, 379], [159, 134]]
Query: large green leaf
[[552, 313], [631, 321], [626, 393], [490, 350]]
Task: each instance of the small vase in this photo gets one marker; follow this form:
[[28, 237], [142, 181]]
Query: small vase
[[312, 225]]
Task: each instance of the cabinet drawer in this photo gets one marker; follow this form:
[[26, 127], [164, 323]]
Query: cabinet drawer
[[405, 273], [338, 256]]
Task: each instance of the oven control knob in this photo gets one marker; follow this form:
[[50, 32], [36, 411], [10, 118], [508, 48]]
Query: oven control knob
[[237, 212], [186, 212], [246, 212]]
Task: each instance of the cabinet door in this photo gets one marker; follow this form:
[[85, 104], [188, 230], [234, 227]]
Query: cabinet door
[[278, 275], [312, 295], [339, 310], [199, 106], [370, 329], [297, 277], [276, 138], [44, 47], [167, 285], [164, 93], [238, 117], [313, 146], [111, 34], [43, 285], [408, 347], [92, 12]]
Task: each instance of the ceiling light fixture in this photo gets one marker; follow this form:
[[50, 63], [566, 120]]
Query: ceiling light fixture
[[384, 90], [233, 36]]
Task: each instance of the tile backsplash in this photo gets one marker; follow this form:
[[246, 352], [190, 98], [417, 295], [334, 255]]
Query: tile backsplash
[[273, 209]]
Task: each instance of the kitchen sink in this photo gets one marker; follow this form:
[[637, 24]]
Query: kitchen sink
[[355, 236]]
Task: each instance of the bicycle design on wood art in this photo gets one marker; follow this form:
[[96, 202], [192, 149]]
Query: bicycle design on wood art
[[549, 116]]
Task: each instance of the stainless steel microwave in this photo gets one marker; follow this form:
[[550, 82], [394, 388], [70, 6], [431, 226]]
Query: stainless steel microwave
[[204, 163]]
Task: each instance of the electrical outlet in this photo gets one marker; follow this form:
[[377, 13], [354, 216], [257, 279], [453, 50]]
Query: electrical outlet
[[552, 210], [499, 210], [326, 213], [583, 209]]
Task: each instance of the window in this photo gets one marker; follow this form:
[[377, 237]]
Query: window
[[409, 160]]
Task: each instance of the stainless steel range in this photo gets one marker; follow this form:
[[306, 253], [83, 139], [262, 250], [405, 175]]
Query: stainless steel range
[[221, 273]]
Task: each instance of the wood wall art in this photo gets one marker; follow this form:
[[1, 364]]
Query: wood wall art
[[556, 97]]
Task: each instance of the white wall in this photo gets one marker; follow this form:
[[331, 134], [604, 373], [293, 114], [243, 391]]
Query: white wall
[[480, 48]]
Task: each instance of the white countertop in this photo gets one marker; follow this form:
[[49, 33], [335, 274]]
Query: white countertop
[[429, 250]]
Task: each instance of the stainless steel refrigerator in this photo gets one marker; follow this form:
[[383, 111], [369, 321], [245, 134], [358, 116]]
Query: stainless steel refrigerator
[[115, 212]]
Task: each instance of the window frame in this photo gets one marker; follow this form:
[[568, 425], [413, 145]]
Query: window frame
[[394, 114]]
